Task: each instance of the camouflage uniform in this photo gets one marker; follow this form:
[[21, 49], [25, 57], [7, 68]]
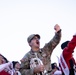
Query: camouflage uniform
[[44, 54]]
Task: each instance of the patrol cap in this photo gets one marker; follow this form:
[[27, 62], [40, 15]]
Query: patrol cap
[[32, 36]]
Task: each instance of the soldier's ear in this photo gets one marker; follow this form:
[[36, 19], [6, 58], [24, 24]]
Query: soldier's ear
[[30, 44]]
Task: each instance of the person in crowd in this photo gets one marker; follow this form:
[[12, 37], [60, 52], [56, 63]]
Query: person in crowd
[[37, 61], [16, 68], [5, 66], [67, 60], [55, 69]]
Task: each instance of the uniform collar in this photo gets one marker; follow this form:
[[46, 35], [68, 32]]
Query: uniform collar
[[32, 52]]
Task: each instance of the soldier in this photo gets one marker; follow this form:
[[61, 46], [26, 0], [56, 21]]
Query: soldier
[[43, 54]]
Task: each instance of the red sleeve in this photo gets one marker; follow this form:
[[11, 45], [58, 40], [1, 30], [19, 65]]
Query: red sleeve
[[67, 52]]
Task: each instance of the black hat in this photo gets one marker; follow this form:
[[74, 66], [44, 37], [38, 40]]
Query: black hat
[[14, 63], [53, 65], [64, 44], [4, 58]]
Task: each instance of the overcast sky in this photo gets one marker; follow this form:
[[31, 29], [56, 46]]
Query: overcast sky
[[20, 18]]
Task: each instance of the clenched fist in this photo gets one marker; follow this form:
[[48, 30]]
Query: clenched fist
[[56, 27]]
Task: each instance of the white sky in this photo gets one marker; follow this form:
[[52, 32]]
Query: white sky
[[20, 18]]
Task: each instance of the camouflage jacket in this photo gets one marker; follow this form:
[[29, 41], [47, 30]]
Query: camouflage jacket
[[44, 54]]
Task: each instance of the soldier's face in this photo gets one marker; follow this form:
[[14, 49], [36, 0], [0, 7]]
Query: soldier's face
[[35, 42]]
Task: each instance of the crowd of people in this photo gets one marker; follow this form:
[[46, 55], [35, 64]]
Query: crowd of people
[[9, 68], [38, 60]]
